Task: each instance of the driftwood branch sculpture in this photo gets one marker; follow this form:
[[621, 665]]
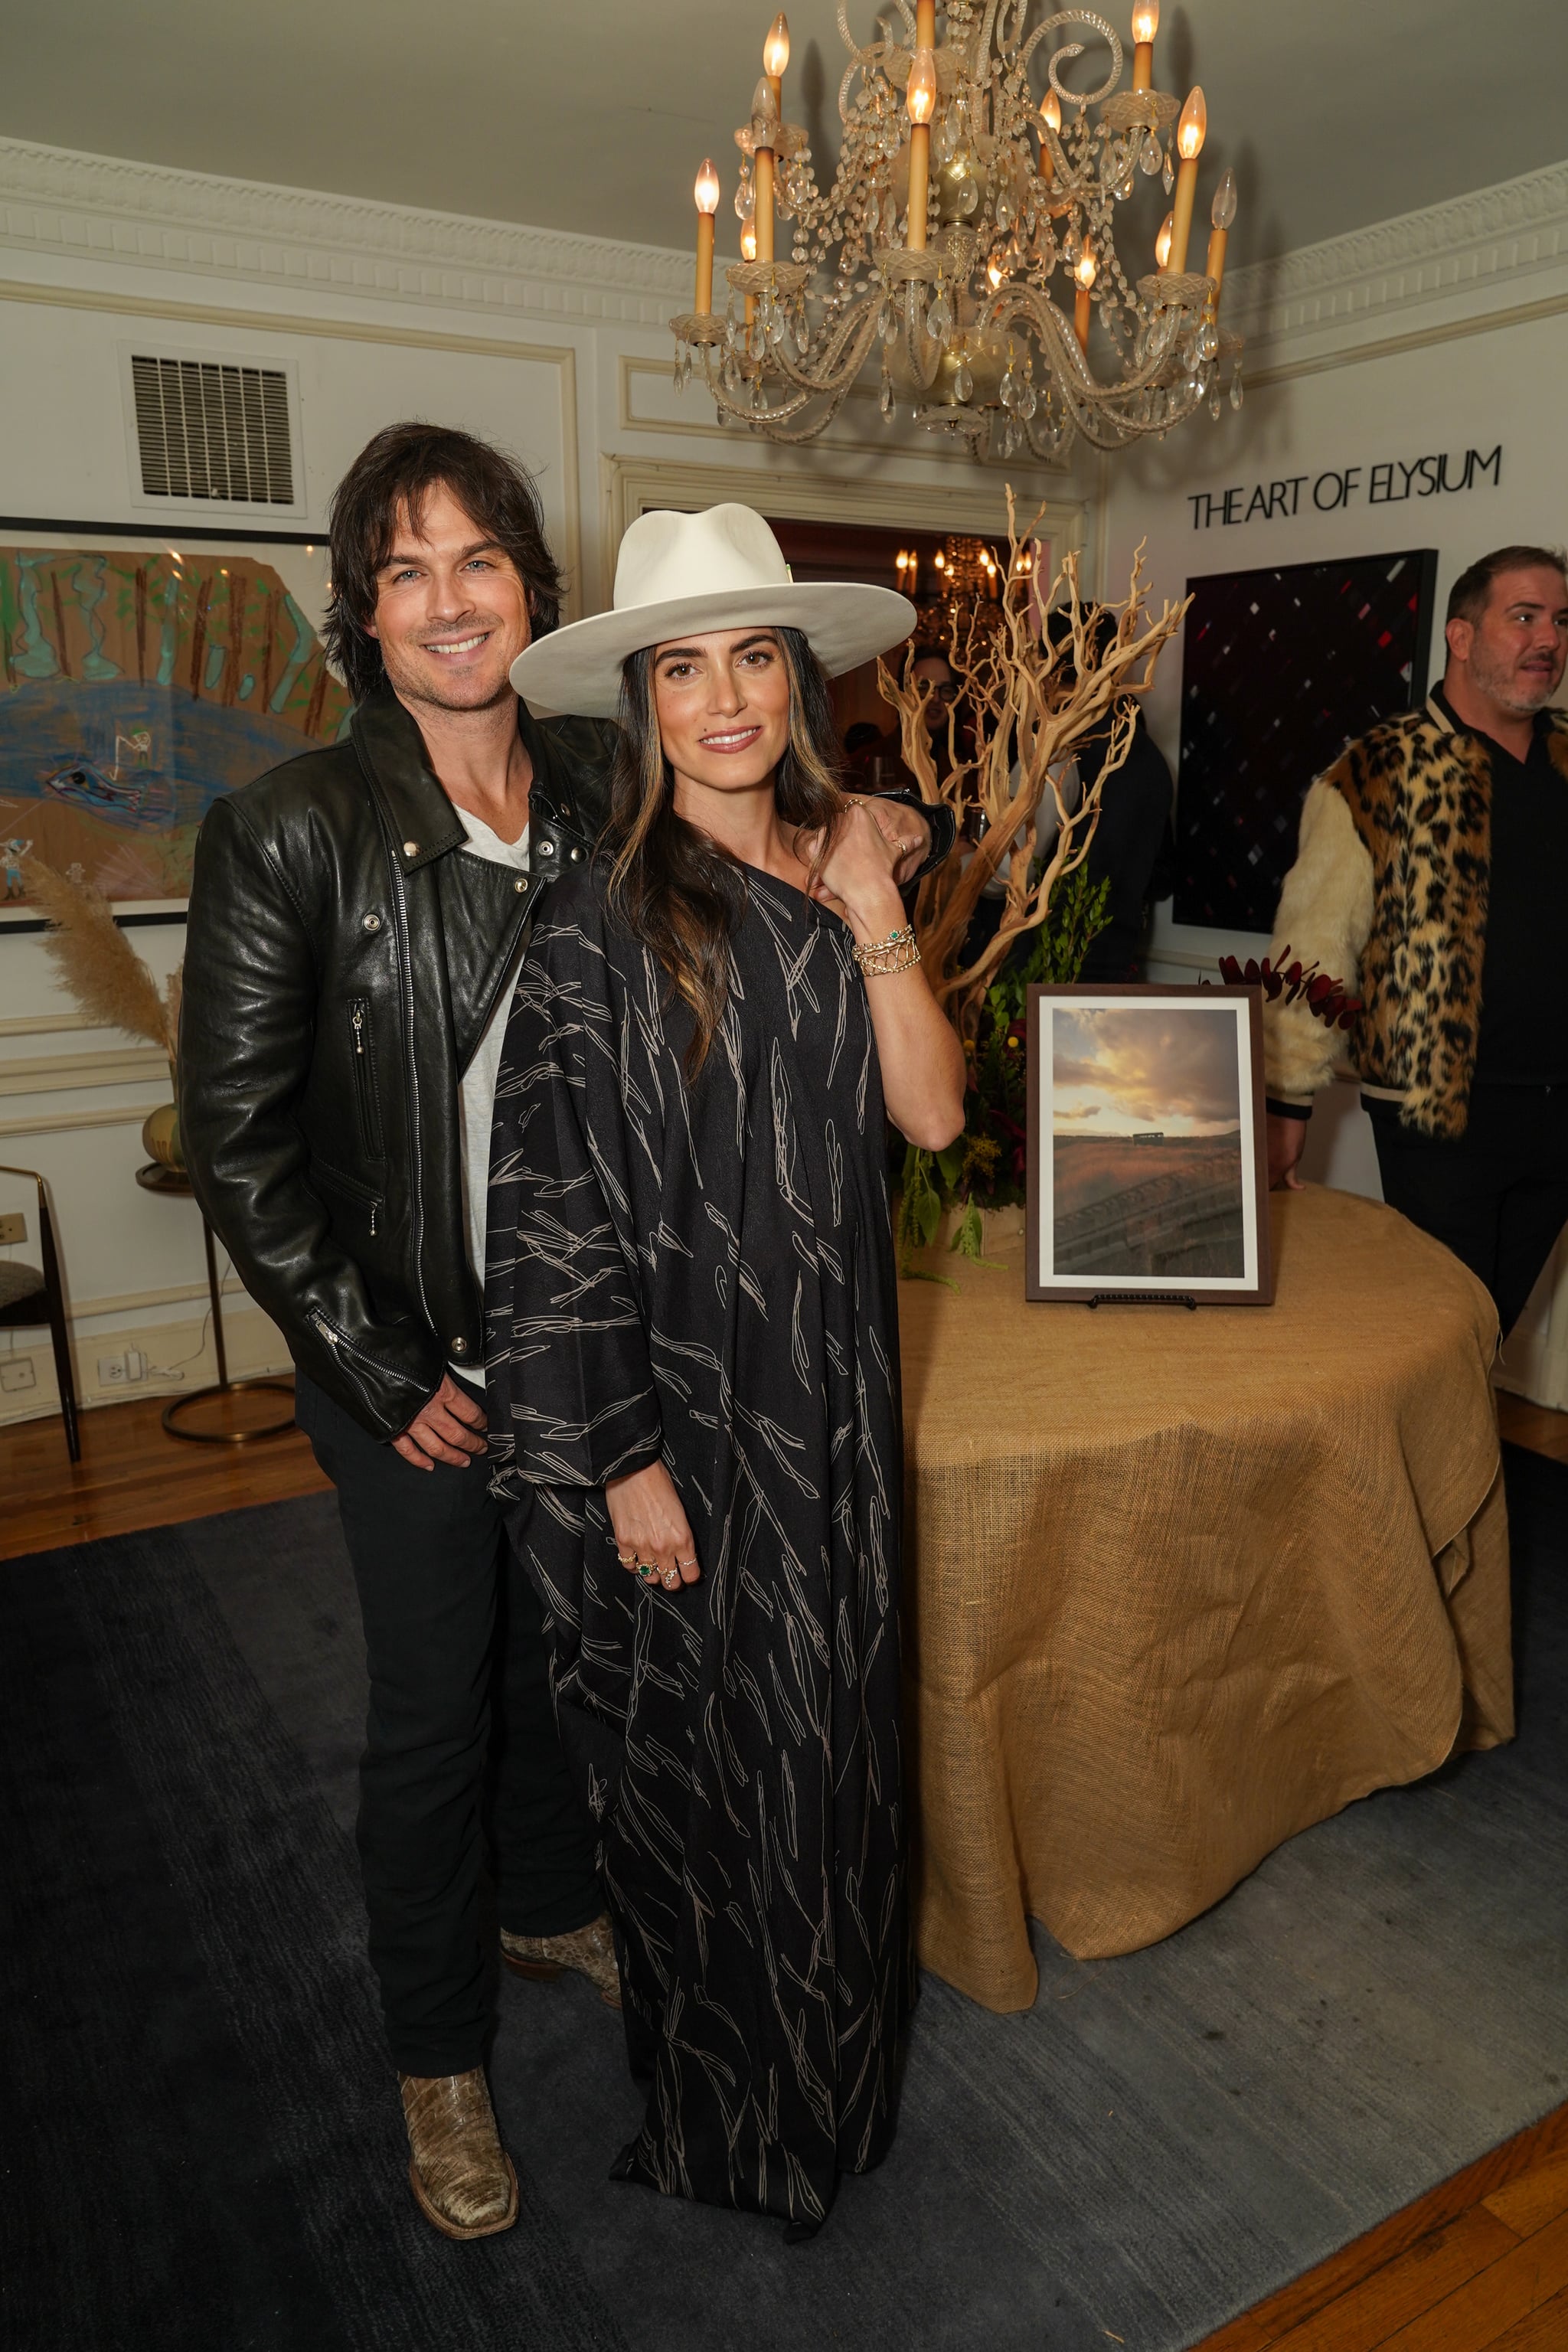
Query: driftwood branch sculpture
[[1033, 699]]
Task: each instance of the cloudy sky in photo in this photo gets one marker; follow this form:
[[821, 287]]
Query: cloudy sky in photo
[[1142, 1068]]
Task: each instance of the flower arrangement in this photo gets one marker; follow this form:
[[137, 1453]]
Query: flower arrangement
[[1326, 998]]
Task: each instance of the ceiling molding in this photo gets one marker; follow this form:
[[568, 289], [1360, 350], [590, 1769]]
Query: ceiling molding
[[630, 485], [103, 208], [1489, 249], [1473, 255]]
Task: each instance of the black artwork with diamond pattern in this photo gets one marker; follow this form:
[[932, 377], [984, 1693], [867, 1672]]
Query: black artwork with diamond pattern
[[1282, 669]]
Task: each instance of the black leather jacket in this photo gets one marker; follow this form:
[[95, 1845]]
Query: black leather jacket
[[342, 963]]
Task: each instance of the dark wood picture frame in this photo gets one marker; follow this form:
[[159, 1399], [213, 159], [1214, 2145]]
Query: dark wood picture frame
[[1255, 1287]]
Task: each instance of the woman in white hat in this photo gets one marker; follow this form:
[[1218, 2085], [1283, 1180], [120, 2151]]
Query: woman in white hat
[[693, 1354]]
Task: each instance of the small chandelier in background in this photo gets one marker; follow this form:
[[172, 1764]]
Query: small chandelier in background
[[963, 582], [958, 206]]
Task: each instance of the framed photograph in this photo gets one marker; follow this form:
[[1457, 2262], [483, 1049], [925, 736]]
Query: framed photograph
[[1148, 1165], [143, 672]]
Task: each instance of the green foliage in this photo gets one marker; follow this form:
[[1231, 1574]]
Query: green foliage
[[985, 1168], [919, 1211]]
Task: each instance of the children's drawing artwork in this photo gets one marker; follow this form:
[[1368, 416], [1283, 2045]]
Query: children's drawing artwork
[[135, 687]]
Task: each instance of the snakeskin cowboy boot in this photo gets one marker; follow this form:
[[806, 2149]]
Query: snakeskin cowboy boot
[[461, 2176]]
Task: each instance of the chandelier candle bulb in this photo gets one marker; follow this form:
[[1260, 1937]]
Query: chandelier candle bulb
[[1163, 242], [776, 58], [1050, 120], [1190, 135], [920, 97], [1084, 275], [1145, 24], [1222, 213], [707, 194], [749, 253]]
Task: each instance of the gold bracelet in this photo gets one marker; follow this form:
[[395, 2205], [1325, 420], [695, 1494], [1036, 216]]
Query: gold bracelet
[[900, 960], [898, 952]]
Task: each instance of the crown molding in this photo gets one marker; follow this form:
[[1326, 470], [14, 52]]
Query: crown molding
[[99, 208], [1490, 249]]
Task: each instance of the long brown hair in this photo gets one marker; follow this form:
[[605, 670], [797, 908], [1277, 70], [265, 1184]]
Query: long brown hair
[[671, 885]]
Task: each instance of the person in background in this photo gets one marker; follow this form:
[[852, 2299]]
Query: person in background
[[1430, 878], [870, 756], [1131, 851], [932, 669], [356, 921]]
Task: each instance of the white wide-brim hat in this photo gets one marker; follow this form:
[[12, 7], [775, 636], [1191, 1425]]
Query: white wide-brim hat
[[684, 574]]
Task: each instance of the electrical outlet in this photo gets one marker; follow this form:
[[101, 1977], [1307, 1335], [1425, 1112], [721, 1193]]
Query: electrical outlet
[[16, 1372], [13, 1229], [122, 1371]]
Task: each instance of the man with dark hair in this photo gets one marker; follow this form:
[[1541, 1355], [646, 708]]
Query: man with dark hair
[[356, 921], [932, 669], [1430, 874]]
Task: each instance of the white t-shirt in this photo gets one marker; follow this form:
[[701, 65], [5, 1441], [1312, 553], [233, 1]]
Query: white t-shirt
[[477, 1089]]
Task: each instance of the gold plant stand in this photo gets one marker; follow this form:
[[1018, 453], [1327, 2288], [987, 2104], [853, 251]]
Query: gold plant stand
[[156, 1178]]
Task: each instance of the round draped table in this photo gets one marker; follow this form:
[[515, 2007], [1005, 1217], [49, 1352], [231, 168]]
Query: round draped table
[[1178, 1585]]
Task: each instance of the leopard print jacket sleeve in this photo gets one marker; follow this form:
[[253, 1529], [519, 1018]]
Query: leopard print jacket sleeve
[[1389, 893]]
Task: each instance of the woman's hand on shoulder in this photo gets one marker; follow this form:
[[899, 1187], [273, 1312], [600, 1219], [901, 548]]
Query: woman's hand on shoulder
[[652, 1530]]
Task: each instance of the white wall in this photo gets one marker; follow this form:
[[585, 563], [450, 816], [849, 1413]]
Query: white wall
[[555, 346], [1441, 334]]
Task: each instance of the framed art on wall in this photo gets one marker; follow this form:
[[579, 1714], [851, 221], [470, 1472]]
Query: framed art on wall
[[1148, 1169], [1282, 667], [142, 674]]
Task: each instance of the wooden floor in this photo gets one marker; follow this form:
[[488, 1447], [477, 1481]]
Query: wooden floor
[[133, 1475], [1479, 2264]]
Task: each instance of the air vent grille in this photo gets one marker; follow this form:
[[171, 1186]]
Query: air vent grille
[[208, 429]]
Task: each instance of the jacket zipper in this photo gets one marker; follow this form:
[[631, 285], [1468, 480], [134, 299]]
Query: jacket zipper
[[364, 1080], [344, 1349]]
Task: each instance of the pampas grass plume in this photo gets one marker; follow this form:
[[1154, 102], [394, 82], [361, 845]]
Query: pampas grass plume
[[98, 963]]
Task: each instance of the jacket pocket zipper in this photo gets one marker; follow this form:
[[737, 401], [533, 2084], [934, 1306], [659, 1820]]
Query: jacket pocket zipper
[[364, 1080], [336, 1182]]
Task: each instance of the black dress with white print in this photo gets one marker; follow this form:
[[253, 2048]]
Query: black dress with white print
[[705, 1272]]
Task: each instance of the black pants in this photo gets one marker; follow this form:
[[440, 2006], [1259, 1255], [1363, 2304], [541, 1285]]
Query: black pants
[[460, 1725], [1498, 1195]]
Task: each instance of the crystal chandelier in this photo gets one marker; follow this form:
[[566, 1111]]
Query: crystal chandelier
[[962, 215], [966, 582]]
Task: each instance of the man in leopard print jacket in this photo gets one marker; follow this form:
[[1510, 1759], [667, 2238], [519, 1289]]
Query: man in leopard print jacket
[[1430, 877]]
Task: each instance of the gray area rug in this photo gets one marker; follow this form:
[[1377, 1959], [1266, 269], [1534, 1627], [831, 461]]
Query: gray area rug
[[201, 2148]]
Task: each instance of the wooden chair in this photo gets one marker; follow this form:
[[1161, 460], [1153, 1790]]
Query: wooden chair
[[32, 1295]]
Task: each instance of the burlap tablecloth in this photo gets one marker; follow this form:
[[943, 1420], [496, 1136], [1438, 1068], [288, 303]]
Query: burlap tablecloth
[[1179, 1584]]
